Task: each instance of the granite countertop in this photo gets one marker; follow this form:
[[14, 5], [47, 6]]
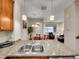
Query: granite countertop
[[51, 48]]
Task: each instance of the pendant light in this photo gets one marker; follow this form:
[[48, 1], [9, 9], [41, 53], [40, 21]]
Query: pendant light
[[24, 17], [52, 17]]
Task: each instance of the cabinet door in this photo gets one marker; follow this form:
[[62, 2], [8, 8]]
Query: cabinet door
[[6, 15]]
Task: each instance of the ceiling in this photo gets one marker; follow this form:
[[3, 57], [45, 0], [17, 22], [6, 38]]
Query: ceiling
[[33, 8]]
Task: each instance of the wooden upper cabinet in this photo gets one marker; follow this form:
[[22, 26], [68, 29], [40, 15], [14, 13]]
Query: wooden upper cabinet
[[6, 15]]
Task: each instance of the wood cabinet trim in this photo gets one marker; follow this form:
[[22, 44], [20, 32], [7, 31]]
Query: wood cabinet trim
[[31, 57]]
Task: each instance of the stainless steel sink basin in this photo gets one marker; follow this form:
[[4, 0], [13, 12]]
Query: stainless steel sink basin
[[26, 48], [31, 48], [37, 48]]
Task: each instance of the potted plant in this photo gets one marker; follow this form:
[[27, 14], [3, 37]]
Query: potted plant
[[30, 30]]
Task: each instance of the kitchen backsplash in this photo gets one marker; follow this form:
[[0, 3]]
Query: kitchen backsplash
[[5, 36]]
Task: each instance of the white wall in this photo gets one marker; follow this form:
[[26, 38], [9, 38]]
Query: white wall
[[19, 32], [60, 28], [70, 26], [17, 22], [4, 36], [77, 24]]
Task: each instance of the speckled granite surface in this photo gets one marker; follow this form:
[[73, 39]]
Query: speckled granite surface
[[51, 48]]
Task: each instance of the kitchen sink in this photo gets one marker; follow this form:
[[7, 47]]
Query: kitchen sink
[[26, 48], [37, 48], [31, 48]]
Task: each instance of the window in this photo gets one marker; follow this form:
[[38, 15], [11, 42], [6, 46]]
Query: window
[[49, 29]]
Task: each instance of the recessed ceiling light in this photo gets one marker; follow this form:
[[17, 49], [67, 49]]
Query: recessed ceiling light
[[24, 17], [33, 25], [52, 18]]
